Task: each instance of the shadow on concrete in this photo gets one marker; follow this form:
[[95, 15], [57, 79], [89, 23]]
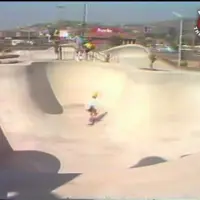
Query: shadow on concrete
[[7, 56], [74, 106], [30, 174], [186, 155], [149, 69], [40, 89], [30, 161], [5, 148], [10, 61], [148, 161], [100, 117]]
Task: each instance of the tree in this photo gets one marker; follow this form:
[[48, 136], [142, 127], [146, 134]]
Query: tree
[[174, 45], [172, 32], [189, 38], [169, 38]]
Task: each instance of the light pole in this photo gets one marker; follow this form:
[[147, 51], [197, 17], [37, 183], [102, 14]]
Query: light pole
[[85, 12], [194, 37], [60, 8], [180, 37]]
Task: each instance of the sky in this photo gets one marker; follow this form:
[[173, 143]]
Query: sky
[[14, 14]]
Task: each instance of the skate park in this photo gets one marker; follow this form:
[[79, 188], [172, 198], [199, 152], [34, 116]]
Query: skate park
[[146, 142]]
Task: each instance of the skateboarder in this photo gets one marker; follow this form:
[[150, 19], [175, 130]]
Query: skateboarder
[[92, 107], [79, 40], [88, 46], [152, 58]]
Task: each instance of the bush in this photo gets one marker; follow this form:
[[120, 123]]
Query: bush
[[184, 63], [174, 46], [107, 58]]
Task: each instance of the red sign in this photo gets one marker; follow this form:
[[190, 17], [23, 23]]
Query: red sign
[[106, 30]]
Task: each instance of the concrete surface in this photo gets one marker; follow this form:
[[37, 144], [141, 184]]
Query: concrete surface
[[146, 143]]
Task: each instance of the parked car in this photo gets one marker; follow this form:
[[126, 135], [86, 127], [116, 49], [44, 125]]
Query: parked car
[[166, 49]]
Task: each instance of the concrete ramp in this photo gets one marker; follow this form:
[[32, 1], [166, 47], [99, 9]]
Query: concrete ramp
[[136, 103], [129, 50], [146, 138], [71, 87], [136, 56]]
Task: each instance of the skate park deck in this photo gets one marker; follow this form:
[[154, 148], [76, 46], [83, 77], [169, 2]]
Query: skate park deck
[[146, 146]]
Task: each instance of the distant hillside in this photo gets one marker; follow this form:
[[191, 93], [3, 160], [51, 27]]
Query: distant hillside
[[64, 23], [163, 26], [159, 27]]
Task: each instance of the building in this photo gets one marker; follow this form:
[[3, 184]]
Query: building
[[103, 35], [19, 34]]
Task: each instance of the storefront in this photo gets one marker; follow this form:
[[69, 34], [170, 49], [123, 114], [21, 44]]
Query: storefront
[[103, 35]]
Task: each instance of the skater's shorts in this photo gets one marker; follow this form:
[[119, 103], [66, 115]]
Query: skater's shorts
[[92, 109], [88, 47], [88, 50]]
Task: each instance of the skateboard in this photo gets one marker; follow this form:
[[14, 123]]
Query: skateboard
[[91, 121], [98, 118]]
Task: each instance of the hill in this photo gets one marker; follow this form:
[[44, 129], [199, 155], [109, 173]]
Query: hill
[[162, 27]]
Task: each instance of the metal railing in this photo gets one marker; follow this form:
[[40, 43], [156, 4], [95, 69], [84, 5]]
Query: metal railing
[[68, 52]]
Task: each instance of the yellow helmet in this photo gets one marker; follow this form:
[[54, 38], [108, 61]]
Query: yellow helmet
[[95, 94]]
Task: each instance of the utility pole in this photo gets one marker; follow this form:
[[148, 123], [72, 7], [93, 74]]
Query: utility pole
[[180, 37], [84, 22], [60, 8], [180, 43], [194, 37]]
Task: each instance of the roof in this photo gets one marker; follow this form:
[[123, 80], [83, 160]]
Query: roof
[[108, 32], [109, 35]]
